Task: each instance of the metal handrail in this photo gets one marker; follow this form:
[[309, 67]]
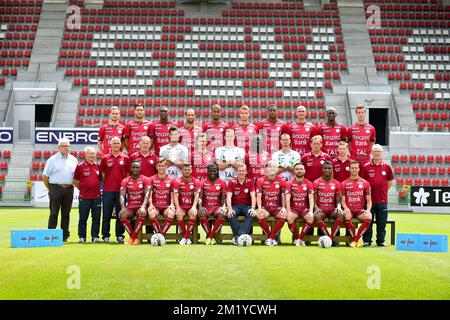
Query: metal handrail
[[367, 75], [394, 104], [347, 103], [55, 105], [5, 116]]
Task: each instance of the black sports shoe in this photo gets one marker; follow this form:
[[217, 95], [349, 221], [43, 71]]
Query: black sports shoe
[[383, 244]]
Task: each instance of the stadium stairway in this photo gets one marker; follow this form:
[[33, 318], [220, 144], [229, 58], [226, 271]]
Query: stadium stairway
[[48, 38], [357, 46], [405, 112], [66, 108]]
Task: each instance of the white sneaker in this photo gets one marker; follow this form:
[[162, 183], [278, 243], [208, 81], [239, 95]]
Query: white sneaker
[[299, 243], [188, 241], [182, 242], [106, 240], [268, 242], [274, 242], [235, 241], [82, 240]]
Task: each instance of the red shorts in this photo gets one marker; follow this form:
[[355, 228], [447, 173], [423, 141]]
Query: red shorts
[[300, 213], [185, 210], [213, 211], [132, 211], [357, 213], [160, 211], [273, 211], [329, 213]]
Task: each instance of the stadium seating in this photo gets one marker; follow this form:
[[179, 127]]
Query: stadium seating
[[411, 48], [18, 26], [135, 52], [421, 169]]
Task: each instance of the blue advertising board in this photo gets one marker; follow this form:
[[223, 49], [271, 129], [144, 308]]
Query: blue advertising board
[[407, 242], [36, 238], [422, 242]]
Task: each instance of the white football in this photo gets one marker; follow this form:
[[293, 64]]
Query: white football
[[245, 240], [324, 242], [158, 240]]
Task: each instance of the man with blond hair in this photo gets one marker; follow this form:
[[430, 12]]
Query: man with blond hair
[[361, 136], [244, 130]]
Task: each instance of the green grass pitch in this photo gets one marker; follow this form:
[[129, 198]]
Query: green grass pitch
[[111, 271]]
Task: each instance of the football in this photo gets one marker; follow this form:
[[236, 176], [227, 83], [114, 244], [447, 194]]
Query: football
[[245, 240], [158, 240], [324, 242]]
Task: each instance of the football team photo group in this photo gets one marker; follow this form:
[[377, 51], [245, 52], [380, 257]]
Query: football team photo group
[[224, 158], [159, 172]]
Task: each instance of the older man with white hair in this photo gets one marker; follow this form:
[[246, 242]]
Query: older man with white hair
[[87, 179], [58, 178], [380, 177]]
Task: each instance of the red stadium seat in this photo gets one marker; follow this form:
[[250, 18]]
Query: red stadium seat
[[35, 165]]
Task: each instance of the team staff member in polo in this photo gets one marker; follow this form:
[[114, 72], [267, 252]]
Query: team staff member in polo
[[114, 167], [241, 201], [87, 179], [380, 177], [58, 179]]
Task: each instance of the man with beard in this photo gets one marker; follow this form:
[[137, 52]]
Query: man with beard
[[201, 158], [186, 191], [300, 203], [109, 130], [135, 129], [189, 131], [270, 201]]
